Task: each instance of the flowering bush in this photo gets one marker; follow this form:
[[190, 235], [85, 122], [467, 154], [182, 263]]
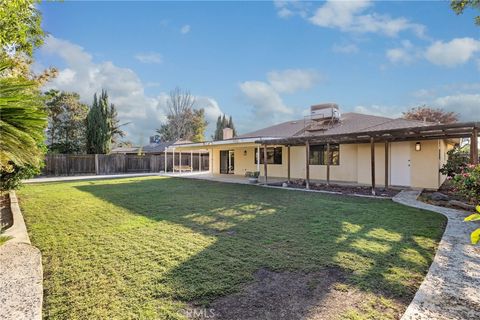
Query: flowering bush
[[457, 161], [467, 182]]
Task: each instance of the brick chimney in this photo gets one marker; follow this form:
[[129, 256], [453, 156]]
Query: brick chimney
[[227, 133]]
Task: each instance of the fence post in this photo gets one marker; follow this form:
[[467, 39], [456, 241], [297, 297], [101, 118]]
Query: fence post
[[96, 164]]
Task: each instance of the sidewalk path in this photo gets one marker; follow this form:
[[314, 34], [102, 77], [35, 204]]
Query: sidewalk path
[[91, 177], [451, 289]]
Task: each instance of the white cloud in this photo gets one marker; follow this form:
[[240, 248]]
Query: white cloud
[[286, 9], [265, 97], [345, 48], [292, 80], [150, 57], [351, 16], [452, 53], [467, 105], [212, 110], [185, 29], [125, 89], [423, 93], [381, 111], [265, 100], [405, 54]]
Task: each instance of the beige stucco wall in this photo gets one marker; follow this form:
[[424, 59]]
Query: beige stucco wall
[[425, 165], [346, 171], [355, 163], [364, 167]]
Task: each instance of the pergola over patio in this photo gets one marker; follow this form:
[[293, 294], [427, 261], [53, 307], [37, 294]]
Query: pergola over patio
[[427, 132]]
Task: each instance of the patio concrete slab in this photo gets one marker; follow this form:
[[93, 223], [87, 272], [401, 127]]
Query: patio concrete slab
[[451, 288]]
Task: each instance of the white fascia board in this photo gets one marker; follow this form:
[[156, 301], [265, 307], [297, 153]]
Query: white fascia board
[[208, 144]]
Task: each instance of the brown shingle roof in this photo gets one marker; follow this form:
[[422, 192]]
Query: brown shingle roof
[[285, 129], [350, 123]]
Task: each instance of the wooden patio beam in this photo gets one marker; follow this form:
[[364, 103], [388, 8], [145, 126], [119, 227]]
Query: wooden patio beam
[[455, 130]]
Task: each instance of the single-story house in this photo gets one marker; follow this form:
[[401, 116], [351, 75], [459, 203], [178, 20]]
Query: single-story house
[[348, 148]]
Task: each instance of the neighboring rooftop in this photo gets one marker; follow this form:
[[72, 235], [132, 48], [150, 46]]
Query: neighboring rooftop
[[154, 147]]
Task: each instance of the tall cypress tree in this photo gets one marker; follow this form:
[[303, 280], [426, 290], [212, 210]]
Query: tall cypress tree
[[105, 123], [217, 135], [93, 119], [232, 126], [99, 125]]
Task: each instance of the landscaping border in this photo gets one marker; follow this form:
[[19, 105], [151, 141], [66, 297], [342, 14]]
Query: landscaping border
[[450, 288], [18, 230], [21, 272]]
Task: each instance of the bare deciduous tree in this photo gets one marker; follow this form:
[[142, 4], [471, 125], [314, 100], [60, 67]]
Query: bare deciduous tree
[[424, 113], [183, 122]]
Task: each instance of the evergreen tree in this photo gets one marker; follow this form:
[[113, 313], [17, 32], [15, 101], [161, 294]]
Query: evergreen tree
[[223, 123], [218, 135], [232, 126], [103, 125]]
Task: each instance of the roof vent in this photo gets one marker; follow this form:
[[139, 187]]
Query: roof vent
[[325, 111]]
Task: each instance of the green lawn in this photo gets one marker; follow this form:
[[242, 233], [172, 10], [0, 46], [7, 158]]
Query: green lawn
[[144, 247]]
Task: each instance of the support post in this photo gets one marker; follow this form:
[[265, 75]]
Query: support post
[[191, 161], [264, 162], [372, 157], [96, 164], [386, 164], [180, 162], [474, 146], [307, 164], [288, 164], [210, 160], [328, 163], [165, 167], [173, 161], [258, 159], [199, 161]]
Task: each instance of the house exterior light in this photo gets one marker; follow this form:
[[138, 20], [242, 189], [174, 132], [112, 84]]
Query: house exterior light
[[418, 146]]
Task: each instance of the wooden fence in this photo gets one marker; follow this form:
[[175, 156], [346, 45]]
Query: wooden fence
[[69, 164]]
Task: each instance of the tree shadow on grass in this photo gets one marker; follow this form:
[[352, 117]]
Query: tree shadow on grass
[[377, 245]]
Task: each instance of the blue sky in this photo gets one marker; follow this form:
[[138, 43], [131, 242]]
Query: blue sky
[[264, 62]]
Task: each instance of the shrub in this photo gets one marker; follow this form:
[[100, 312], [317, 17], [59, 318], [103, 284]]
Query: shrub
[[12, 179], [457, 161], [467, 182], [475, 235]]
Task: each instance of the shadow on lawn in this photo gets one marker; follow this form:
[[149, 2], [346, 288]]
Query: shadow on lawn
[[377, 245]]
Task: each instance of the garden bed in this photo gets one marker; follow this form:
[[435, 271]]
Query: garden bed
[[6, 217], [339, 189], [447, 197]]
